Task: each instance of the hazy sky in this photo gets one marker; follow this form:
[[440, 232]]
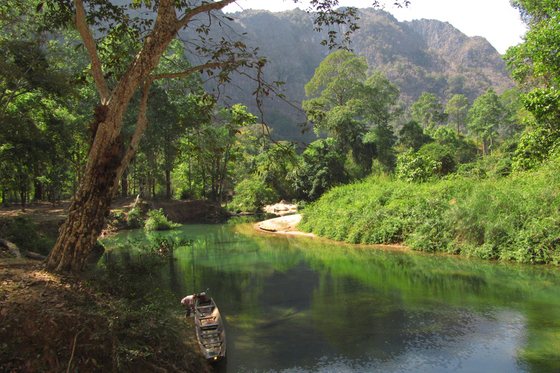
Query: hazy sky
[[495, 20]]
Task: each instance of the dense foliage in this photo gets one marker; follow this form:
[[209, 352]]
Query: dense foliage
[[512, 218], [535, 66], [440, 200], [194, 148]]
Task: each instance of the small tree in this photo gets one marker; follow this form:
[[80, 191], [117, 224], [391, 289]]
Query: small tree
[[252, 194], [428, 111], [322, 168], [458, 110], [485, 117], [412, 136]]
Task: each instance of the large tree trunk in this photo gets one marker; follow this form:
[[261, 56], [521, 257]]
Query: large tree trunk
[[105, 163], [86, 216]]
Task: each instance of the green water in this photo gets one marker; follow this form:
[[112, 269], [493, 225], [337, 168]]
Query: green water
[[300, 304]]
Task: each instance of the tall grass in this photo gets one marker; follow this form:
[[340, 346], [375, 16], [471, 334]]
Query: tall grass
[[514, 218]]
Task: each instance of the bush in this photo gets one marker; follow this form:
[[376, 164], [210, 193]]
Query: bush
[[186, 194], [413, 167], [442, 154], [133, 219], [27, 235], [252, 194], [158, 222]]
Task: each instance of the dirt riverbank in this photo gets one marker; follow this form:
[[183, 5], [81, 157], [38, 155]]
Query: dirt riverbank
[[59, 323]]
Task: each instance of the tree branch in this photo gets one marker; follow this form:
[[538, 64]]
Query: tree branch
[[184, 74], [207, 7], [89, 43], [141, 126]]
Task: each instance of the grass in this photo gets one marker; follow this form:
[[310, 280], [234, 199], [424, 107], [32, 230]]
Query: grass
[[157, 221], [512, 218]]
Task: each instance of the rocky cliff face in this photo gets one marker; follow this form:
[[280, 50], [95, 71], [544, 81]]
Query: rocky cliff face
[[458, 48], [430, 56]]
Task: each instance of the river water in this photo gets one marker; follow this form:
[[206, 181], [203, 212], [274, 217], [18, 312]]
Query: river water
[[302, 304]]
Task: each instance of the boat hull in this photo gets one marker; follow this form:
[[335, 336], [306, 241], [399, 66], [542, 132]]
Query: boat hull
[[210, 331]]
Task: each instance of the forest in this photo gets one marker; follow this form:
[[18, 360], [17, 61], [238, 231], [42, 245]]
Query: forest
[[382, 132], [362, 124]]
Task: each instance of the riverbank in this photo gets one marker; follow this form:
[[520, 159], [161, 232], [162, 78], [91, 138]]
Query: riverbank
[[61, 323], [109, 321], [48, 217]]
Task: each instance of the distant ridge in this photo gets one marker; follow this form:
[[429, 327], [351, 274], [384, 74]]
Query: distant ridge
[[417, 56]]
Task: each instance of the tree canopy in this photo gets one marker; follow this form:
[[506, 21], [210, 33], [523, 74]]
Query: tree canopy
[[535, 64], [486, 115], [125, 47], [428, 111], [458, 109], [349, 105]]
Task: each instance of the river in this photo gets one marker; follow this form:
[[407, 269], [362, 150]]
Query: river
[[304, 304]]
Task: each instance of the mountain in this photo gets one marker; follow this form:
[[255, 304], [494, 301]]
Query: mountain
[[418, 56]]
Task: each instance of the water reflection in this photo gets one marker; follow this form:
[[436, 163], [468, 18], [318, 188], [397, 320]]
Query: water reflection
[[298, 304]]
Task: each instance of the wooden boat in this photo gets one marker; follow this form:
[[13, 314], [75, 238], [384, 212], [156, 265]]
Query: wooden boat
[[210, 331]]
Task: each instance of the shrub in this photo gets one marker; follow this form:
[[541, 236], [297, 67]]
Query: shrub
[[133, 219], [186, 194], [158, 222], [442, 154], [27, 235], [415, 167]]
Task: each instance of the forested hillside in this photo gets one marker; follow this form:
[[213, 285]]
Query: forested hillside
[[418, 56], [501, 204], [416, 101]]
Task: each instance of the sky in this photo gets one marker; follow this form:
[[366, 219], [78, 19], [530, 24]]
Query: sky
[[495, 20]]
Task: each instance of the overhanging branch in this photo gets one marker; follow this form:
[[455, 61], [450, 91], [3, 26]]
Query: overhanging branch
[[141, 126], [207, 66], [207, 7]]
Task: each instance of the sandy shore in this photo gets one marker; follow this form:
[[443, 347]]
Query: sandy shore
[[282, 225]]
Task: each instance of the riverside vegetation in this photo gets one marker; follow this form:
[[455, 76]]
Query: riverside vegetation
[[161, 129], [514, 218]]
